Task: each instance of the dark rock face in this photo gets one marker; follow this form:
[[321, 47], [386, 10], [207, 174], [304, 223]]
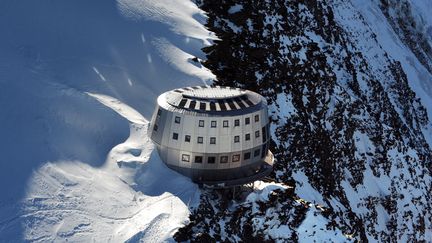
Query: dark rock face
[[345, 119]]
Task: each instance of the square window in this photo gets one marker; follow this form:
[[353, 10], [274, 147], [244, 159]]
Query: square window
[[201, 123], [155, 127], [185, 157], [200, 140], [213, 140], [246, 156], [257, 134], [224, 159], [213, 124], [225, 123], [175, 136], [247, 136], [198, 159], [236, 122], [177, 120], [256, 152], [236, 139], [187, 138], [236, 158], [256, 118], [211, 160], [247, 120]]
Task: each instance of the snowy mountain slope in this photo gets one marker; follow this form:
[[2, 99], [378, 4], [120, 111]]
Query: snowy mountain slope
[[350, 104], [131, 193], [269, 213], [375, 21], [60, 175]]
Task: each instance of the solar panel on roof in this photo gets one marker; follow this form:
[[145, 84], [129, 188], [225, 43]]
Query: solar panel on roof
[[192, 104], [239, 102], [231, 104], [202, 106], [212, 106], [182, 103], [222, 105]]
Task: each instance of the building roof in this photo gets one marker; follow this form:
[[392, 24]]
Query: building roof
[[215, 100]]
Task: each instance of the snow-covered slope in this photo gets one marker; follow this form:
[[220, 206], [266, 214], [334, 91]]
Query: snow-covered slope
[[78, 80]]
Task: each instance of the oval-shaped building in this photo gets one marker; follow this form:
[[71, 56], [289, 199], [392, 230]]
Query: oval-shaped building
[[215, 135]]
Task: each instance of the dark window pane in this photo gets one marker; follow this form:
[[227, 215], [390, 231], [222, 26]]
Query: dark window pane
[[211, 160], [239, 102], [201, 123], [236, 122], [224, 159], [247, 137], [203, 106], [155, 127], [177, 119], [212, 106], [187, 138], [159, 112], [247, 120], [222, 105], [231, 104], [225, 123], [200, 140], [175, 136], [198, 159], [182, 103], [247, 156], [256, 152], [236, 139], [257, 134], [256, 118], [213, 124], [236, 158], [192, 104], [213, 140]]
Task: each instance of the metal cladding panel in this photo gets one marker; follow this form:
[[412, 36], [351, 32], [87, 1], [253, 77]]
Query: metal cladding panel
[[159, 121]]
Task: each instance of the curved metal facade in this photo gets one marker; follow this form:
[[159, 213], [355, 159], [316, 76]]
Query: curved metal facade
[[213, 134]]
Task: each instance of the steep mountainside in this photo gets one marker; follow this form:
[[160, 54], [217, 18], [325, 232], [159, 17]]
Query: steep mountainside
[[348, 83]]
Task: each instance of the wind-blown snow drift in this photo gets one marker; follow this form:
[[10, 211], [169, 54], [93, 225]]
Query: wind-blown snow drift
[[75, 77]]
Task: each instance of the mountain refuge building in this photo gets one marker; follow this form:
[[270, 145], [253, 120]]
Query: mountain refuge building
[[217, 136]]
